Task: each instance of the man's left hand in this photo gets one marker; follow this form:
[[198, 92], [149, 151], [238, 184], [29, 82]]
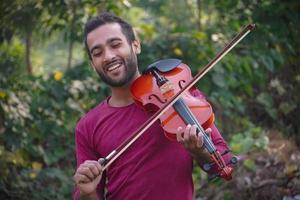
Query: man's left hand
[[192, 140]]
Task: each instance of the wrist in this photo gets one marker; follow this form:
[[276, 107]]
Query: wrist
[[201, 155], [88, 196]]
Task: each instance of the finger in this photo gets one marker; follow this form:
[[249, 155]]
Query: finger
[[193, 134], [208, 132], [200, 140], [186, 134], [191, 143], [85, 170], [201, 137], [80, 178], [179, 136], [94, 169], [94, 166]]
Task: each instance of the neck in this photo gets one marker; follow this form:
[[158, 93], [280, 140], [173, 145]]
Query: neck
[[121, 96]]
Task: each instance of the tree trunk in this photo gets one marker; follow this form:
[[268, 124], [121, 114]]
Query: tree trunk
[[70, 54], [199, 15], [73, 7], [28, 52]]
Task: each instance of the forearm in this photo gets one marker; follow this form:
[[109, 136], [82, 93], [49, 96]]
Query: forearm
[[202, 156]]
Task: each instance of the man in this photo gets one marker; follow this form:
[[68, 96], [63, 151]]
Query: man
[[153, 167]]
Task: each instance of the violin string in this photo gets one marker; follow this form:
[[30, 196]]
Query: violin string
[[207, 142]]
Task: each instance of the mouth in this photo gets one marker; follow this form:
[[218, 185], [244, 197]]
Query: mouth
[[114, 66]]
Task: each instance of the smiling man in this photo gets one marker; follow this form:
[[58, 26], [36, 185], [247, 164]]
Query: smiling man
[[112, 56], [153, 167]]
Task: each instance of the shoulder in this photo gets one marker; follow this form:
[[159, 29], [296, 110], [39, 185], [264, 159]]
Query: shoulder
[[89, 119]]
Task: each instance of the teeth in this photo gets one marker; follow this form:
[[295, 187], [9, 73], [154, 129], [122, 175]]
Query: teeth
[[113, 67]]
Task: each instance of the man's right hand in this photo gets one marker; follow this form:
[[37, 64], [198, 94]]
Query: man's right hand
[[87, 177]]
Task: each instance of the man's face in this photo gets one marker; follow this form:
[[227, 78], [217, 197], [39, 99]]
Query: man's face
[[113, 58]]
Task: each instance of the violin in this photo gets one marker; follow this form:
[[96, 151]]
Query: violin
[[175, 105], [157, 85], [160, 82]]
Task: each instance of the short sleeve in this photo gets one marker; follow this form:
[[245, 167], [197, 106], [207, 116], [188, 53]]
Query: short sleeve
[[84, 151]]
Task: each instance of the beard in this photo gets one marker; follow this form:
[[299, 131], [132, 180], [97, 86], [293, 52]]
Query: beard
[[130, 64]]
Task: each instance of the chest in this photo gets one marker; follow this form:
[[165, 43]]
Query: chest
[[115, 127]]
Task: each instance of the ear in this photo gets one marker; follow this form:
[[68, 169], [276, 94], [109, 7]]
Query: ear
[[136, 46]]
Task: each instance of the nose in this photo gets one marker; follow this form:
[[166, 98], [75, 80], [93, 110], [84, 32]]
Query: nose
[[108, 55]]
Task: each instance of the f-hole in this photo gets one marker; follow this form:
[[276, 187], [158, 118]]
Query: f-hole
[[157, 98], [181, 83]]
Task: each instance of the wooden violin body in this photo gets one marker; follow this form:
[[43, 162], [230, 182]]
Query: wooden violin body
[[148, 95], [157, 86]]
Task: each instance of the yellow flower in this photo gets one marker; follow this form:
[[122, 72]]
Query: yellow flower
[[2, 94], [36, 166], [58, 75], [32, 175], [236, 148], [178, 52]]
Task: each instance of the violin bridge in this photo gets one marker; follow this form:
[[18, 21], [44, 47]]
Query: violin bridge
[[167, 89]]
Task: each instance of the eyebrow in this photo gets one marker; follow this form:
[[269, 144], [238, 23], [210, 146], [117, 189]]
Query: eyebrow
[[108, 41]]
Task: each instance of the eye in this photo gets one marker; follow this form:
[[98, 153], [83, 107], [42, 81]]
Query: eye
[[115, 44], [97, 53]]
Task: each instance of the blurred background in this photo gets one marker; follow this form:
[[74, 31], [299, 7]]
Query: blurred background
[[47, 84]]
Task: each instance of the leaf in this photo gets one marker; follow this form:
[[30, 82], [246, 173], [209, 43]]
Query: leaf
[[228, 195], [265, 99], [250, 165], [262, 142], [236, 148], [218, 79], [200, 35], [272, 113], [287, 107], [268, 63], [36, 166], [248, 89], [247, 144], [291, 169], [247, 66]]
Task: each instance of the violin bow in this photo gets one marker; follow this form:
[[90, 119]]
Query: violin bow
[[110, 158]]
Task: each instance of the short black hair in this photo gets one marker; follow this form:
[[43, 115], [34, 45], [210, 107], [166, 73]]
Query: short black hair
[[106, 18]]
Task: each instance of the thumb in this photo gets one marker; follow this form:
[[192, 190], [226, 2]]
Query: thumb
[[208, 132]]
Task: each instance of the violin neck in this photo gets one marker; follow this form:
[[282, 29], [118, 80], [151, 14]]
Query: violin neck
[[188, 117]]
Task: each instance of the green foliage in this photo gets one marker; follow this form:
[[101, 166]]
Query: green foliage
[[252, 139], [11, 58], [37, 140], [19, 17], [250, 165]]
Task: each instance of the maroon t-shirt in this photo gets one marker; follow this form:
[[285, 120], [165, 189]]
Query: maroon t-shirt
[[152, 168]]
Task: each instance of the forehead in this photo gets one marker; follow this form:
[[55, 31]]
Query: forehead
[[103, 33]]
